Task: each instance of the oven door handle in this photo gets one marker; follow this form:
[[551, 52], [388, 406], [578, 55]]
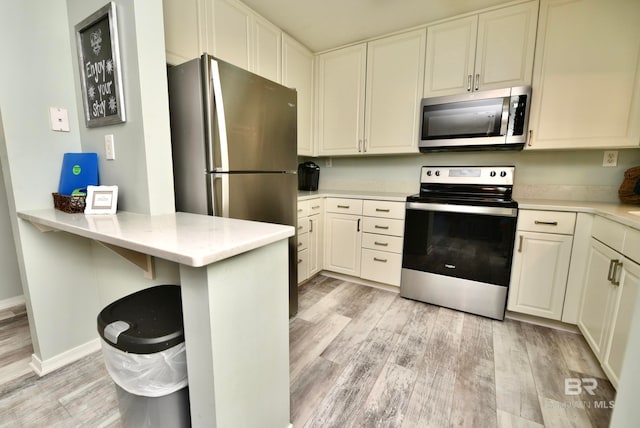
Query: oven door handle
[[465, 209]]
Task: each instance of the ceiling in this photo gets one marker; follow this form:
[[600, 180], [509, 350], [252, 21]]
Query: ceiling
[[326, 24]]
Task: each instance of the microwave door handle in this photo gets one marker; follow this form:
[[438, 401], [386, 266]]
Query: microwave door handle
[[505, 116]]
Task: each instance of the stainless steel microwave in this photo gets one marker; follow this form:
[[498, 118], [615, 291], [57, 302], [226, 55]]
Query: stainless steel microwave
[[495, 119]]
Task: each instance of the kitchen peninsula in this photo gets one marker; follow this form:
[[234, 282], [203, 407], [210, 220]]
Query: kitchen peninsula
[[234, 280]]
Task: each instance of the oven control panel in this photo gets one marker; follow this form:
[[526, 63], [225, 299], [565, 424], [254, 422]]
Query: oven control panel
[[494, 175]]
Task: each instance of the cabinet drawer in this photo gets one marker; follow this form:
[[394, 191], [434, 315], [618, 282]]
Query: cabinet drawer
[[631, 246], [373, 241], [381, 266], [303, 265], [385, 209], [344, 206], [608, 232], [303, 208], [384, 226], [316, 206], [303, 241], [547, 221], [303, 225]]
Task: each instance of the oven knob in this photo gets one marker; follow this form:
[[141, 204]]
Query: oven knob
[[429, 173], [503, 173], [492, 173], [437, 173]]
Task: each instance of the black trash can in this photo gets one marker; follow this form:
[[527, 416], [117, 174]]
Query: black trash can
[[144, 351]]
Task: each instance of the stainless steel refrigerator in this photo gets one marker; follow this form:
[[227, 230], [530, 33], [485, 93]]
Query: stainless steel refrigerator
[[234, 147]]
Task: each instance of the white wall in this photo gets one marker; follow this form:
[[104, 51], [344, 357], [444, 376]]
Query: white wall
[[10, 284], [577, 175], [40, 70]]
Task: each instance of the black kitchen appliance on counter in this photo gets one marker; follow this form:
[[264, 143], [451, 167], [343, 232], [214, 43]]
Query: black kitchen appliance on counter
[[308, 176]]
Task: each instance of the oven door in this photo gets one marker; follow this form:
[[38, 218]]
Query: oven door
[[472, 243]]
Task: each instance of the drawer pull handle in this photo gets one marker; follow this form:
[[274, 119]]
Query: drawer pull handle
[[358, 226], [381, 227], [346, 207], [299, 261], [379, 260], [315, 207], [382, 210], [547, 223], [613, 271], [382, 244], [520, 245], [299, 244], [310, 225], [299, 227], [299, 210]]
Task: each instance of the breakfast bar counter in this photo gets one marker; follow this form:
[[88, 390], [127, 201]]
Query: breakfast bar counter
[[234, 279]]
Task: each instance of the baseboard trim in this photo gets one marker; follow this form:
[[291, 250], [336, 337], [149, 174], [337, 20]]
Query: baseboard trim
[[531, 319], [12, 302], [42, 368], [360, 281]]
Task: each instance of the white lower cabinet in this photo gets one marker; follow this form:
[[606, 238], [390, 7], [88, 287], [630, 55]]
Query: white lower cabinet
[[310, 238], [364, 239], [541, 263], [608, 300]]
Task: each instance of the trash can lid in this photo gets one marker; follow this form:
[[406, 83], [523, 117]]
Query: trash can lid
[[144, 322]]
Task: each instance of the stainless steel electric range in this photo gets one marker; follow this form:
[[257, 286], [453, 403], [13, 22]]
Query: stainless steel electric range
[[459, 237]]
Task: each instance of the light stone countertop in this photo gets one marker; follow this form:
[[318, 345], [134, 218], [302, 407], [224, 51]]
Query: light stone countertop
[[616, 212], [190, 239], [355, 194]]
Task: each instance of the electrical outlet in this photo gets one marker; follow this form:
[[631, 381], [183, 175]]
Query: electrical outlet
[[328, 163], [109, 147], [610, 158]]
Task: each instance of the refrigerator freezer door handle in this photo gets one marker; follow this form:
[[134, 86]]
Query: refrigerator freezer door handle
[[219, 111]]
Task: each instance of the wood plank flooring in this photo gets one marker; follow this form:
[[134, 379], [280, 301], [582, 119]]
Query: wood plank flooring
[[392, 362], [359, 357]]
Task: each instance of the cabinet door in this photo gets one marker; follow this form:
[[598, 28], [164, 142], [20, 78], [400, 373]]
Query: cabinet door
[[316, 233], [297, 73], [451, 49], [586, 78], [340, 100], [505, 47], [539, 274], [233, 33], [343, 238], [621, 322], [303, 265], [395, 74], [185, 29], [597, 297], [267, 49]]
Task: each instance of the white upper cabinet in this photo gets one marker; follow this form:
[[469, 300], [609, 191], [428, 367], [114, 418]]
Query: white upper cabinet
[[368, 96], [586, 79], [486, 51], [297, 73], [395, 70], [340, 100], [245, 39], [186, 29]]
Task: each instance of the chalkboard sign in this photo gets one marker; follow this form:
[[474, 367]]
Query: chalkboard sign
[[99, 60]]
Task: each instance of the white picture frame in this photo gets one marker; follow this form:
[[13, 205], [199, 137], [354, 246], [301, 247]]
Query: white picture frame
[[101, 200]]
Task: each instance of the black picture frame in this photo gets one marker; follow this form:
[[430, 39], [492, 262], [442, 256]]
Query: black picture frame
[[100, 68]]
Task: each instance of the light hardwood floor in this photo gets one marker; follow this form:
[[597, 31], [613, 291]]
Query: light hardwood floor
[[360, 357]]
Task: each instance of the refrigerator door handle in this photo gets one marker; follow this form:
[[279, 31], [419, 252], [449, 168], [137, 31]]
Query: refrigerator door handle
[[222, 124], [218, 208]]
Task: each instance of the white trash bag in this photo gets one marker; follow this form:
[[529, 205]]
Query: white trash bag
[[148, 375]]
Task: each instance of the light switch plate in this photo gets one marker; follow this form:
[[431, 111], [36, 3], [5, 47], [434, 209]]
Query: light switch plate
[[109, 147], [610, 158], [59, 119]]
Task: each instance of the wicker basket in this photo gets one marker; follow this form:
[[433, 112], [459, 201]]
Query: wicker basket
[[69, 204], [629, 192]]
